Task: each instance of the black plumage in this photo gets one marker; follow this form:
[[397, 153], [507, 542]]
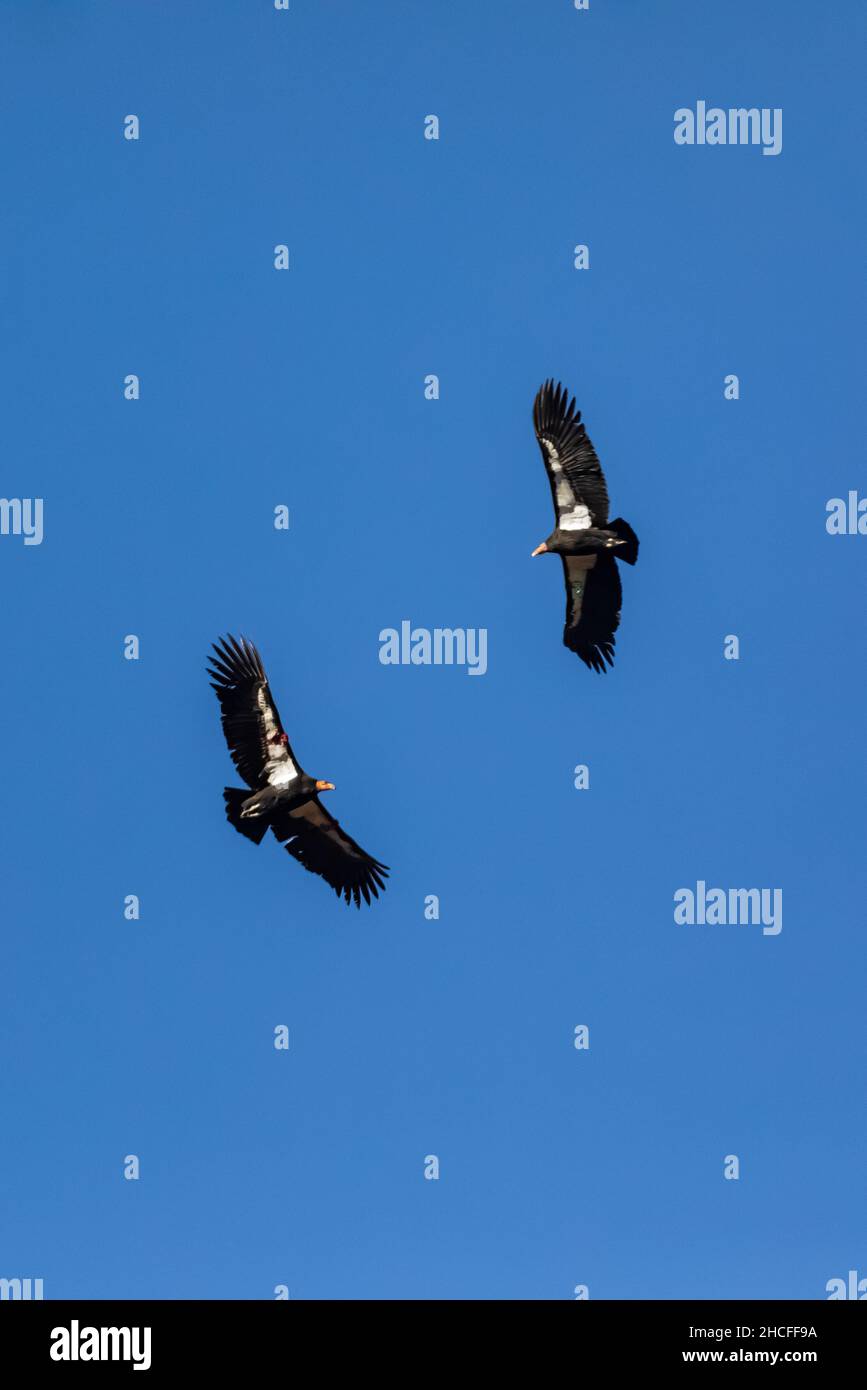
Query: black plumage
[[282, 797], [587, 543], [565, 442]]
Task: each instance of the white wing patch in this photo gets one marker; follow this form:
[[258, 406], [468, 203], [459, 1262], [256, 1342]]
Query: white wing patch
[[268, 720], [576, 520], [279, 769], [572, 515], [281, 774]]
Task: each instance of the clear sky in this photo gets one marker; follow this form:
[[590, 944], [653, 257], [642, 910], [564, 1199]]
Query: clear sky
[[410, 1037]]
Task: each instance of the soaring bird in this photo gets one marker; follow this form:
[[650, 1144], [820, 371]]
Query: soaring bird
[[586, 541], [282, 797]]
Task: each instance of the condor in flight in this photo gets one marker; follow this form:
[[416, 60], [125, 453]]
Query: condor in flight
[[282, 797], [586, 541]]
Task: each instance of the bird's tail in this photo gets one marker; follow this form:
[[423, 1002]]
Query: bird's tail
[[254, 827], [624, 532]]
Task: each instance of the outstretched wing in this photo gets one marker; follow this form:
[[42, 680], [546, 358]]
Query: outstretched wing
[[574, 472], [593, 596], [249, 716], [315, 839]]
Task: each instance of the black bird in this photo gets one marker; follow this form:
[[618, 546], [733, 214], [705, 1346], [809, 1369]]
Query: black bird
[[283, 798], [586, 541]]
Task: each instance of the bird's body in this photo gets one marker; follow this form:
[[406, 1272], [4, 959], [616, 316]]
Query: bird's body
[[586, 541], [589, 541], [271, 799], [281, 796]]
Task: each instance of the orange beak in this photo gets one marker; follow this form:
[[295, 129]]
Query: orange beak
[[539, 550], [325, 786]]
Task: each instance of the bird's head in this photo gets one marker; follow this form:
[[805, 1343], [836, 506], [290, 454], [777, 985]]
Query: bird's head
[[545, 546], [325, 786], [281, 740]]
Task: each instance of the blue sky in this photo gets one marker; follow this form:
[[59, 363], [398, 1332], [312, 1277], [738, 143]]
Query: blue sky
[[409, 1037]]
